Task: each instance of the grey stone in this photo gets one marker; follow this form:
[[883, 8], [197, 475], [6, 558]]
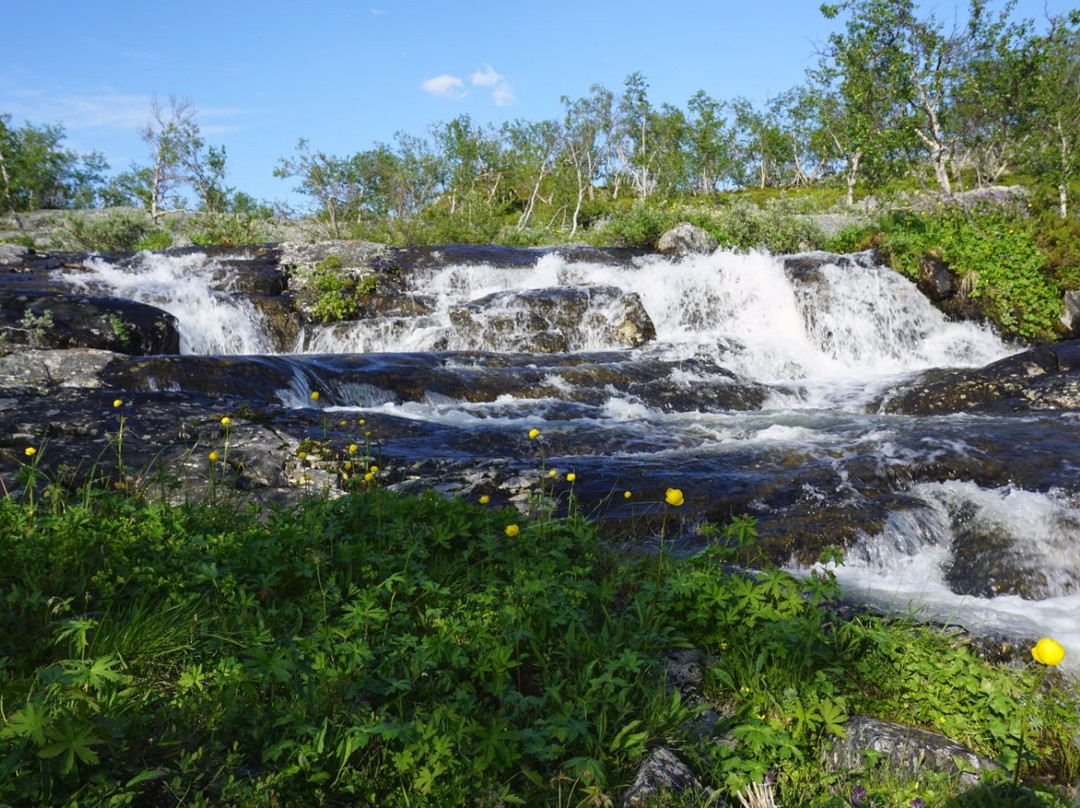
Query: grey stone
[[685, 239], [906, 750], [661, 772], [554, 320]]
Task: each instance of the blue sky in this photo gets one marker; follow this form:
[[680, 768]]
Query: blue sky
[[346, 75]]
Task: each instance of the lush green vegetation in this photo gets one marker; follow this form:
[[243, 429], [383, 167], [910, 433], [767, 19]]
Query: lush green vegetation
[[386, 650]]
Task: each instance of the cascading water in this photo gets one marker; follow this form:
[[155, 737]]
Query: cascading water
[[195, 290], [814, 352]]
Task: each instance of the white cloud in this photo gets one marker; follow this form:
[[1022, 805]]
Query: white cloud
[[487, 77], [445, 86], [503, 95], [501, 91]]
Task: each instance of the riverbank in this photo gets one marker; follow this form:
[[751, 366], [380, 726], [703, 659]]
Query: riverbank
[[429, 651]]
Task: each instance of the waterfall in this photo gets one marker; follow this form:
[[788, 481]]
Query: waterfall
[[742, 309], [198, 291]]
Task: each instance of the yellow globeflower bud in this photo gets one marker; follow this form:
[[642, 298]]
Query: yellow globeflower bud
[[118, 402], [1048, 652], [353, 448], [534, 434], [226, 421], [30, 451], [485, 499], [626, 495], [374, 469], [512, 530], [571, 477], [314, 395], [553, 473], [673, 497], [369, 477], [213, 457]]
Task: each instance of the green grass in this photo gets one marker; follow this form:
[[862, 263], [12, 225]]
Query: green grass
[[387, 650]]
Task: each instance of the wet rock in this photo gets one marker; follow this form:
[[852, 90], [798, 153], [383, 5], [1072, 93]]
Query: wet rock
[[55, 320], [1044, 377], [44, 370], [686, 239], [554, 320], [905, 750], [807, 266], [935, 279]]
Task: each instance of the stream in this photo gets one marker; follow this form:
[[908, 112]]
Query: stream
[[763, 392]]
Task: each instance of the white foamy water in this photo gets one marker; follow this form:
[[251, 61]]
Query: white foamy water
[[848, 331], [902, 569], [189, 287]]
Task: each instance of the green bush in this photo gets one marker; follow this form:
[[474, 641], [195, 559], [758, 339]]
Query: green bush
[[640, 226], [229, 228], [992, 250], [116, 230], [777, 227]]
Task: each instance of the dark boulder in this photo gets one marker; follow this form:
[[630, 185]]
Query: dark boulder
[[1044, 377], [54, 320]]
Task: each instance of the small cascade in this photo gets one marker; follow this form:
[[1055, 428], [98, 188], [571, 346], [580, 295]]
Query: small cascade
[[213, 320], [1005, 559]]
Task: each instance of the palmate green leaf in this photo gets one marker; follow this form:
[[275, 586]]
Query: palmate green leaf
[[26, 723], [72, 741], [833, 716]]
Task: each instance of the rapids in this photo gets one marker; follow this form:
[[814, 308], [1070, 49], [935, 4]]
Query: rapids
[[761, 393]]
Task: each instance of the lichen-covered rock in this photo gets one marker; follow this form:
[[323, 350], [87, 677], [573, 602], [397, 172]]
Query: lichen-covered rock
[[663, 772], [686, 239], [906, 750]]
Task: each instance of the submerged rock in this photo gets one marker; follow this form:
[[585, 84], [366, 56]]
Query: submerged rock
[[554, 320]]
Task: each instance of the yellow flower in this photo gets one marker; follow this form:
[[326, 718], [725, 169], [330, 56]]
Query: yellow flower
[[571, 477], [626, 495], [314, 395], [673, 497], [348, 465], [353, 448], [553, 473], [301, 455], [30, 451], [360, 422], [1048, 652], [374, 469], [118, 403], [534, 434], [512, 530], [226, 421], [213, 457], [369, 477], [485, 499]]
